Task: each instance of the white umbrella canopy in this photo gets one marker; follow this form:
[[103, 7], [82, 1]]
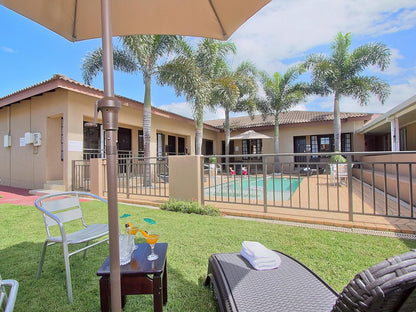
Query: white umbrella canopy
[[78, 20], [250, 134]]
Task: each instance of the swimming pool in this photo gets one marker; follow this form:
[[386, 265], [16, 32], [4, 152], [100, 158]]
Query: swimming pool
[[251, 187]]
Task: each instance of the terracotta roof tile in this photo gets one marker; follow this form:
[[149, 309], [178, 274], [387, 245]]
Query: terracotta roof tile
[[285, 118]]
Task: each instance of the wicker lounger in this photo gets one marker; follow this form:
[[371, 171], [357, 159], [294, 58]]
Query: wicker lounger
[[293, 287]]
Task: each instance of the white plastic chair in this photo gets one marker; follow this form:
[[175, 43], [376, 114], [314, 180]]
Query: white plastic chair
[[59, 208], [7, 300], [339, 172]]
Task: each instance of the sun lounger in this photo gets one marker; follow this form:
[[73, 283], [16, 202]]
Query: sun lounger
[[293, 287]]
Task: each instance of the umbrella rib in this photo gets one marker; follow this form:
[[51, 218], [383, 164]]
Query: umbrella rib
[[218, 19], [74, 26]]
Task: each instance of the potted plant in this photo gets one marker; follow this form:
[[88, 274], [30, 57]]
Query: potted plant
[[212, 164], [338, 159]]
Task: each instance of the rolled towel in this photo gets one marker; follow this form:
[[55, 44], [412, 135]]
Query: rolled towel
[[260, 257]]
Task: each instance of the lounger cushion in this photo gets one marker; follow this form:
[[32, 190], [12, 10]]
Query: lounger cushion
[[238, 285]]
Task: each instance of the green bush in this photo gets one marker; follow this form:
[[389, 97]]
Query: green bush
[[338, 159], [213, 160], [189, 207]]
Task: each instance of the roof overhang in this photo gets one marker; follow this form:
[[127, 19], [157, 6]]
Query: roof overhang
[[405, 113], [63, 82]]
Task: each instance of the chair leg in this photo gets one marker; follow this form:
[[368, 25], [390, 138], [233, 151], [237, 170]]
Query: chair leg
[[42, 258], [85, 251], [68, 273]]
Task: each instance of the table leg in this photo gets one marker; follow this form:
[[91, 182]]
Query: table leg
[[165, 285], [104, 294], [157, 293]]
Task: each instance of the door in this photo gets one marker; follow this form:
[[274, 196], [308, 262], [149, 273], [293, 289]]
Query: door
[[300, 147]]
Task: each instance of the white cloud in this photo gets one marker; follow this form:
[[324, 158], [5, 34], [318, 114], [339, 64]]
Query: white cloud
[[185, 109], [288, 29], [7, 50]]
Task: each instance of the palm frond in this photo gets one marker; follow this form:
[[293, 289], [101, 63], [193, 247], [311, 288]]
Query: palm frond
[[370, 54]]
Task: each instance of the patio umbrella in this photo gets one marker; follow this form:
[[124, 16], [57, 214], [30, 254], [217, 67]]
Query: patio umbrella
[[250, 134], [78, 20]]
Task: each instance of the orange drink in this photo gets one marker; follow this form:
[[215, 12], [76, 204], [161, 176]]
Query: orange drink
[[132, 230], [152, 239]]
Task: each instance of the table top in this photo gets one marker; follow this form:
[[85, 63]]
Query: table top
[[139, 263]]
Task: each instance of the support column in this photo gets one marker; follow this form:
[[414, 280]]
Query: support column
[[395, 134]]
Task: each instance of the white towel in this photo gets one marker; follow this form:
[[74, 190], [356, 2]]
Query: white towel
[[260, 257]]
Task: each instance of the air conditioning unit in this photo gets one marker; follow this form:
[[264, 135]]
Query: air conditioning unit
[[28, 138], [37, 139], [7, 140]]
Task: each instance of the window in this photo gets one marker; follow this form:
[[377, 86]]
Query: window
[[181, 146], [160, 144], [141, 143], [403, 139], [325, 144], [253, 146], [171, 145], [346, 142], [314, 144]]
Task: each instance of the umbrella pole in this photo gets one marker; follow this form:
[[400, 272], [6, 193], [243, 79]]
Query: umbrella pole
[[109, 107]]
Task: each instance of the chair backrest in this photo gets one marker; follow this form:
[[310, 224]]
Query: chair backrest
[[339, 169], [7, 300], [384, 287], [62, 207]]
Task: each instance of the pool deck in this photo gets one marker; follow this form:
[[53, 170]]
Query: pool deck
[[330, 195]]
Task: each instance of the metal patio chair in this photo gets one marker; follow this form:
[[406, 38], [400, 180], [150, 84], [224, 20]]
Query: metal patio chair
[[385, 287], [8, 293], [59, 208], [339, 172]]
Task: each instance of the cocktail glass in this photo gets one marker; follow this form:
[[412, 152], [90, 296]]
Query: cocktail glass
[[151, 240]]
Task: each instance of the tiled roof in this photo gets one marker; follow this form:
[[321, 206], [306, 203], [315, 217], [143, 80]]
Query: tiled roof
[[61, 81], [285, 118]]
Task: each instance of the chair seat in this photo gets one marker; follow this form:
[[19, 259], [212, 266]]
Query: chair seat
[[91, 232], [291, 287]]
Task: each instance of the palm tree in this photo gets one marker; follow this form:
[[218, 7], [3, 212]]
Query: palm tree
[[140, 53], [341, 74], [235, 91], [281, 94], [191, 75]]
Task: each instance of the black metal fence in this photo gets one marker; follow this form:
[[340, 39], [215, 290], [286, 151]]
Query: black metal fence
[[143, 176], [383, 188], [136, 176]]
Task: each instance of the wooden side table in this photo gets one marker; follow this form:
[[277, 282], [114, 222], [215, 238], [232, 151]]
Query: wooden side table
[[136, 277]]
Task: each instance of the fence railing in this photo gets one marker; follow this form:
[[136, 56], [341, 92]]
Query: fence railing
[[141, 176], [136, 176], [383, 188], [89, 153], [81, 175]]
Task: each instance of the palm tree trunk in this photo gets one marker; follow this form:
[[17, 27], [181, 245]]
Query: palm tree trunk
[[227, 131], [227, 137], [147, 121], [199, 120], [276, 143], [198, 140], [337, 125]]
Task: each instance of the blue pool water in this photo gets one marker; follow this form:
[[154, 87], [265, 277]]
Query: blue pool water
[[277, 188]]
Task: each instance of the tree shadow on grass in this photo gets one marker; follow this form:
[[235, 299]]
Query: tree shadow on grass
[[49, 293]]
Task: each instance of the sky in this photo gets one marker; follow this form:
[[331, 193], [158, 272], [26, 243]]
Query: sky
[[281, 34]]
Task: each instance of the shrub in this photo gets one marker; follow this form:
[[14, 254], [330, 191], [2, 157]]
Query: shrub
[[189, 207], [338, 159], [213, 160]]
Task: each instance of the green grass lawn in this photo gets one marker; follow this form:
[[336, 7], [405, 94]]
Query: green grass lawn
[[335, 256]]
